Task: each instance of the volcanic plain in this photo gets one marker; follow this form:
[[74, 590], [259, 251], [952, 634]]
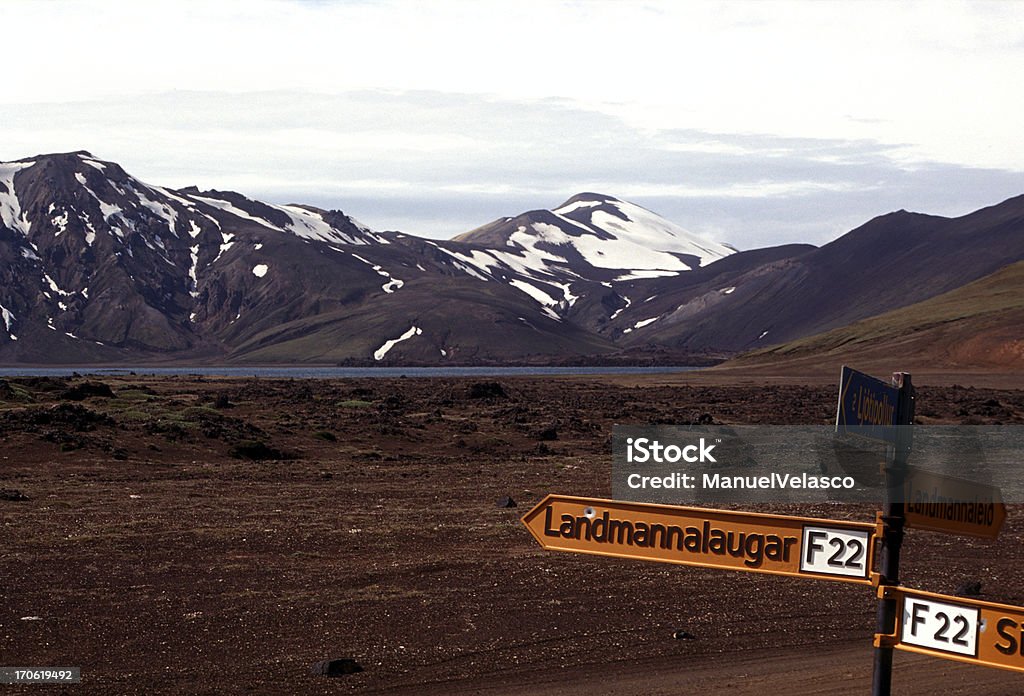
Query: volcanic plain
[[200, 535]]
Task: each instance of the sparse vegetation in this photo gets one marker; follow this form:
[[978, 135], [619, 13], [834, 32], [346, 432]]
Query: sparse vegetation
[[254, 449], [354, 403]]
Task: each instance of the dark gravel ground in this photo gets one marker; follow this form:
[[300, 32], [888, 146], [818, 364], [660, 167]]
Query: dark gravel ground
[[191, 535]]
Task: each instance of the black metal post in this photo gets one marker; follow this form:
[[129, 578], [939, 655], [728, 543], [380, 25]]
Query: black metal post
[[893, 518]]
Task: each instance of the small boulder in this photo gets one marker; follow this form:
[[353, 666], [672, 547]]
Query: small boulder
[[546, 434], [12, 494], [85, 390], [507, 502], [968, 588], [681, 634], [486, 390], [256, 450]]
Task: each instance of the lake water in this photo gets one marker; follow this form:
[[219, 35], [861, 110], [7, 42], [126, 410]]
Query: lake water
[[340, 372]]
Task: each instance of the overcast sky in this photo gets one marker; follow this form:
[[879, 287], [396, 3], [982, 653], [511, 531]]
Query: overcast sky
[[751, 123]]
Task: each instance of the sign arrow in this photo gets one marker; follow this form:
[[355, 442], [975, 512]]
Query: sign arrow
[[959, 629], [867, 406], [952, 505], [747, 541]]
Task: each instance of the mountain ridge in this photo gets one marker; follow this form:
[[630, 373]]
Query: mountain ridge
[[98, 266]]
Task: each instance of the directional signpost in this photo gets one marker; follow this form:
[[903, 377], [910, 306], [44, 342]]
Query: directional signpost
[[959, 629], [782, 545], [874, 409], [867, 406], [952, 505], [967, 630]]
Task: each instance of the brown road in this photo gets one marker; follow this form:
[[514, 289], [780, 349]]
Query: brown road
[[833, 670]]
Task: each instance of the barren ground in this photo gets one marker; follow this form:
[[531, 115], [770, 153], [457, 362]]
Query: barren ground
[[367, 527]]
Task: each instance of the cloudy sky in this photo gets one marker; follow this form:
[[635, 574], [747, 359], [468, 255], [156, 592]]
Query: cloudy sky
[[752, 123]]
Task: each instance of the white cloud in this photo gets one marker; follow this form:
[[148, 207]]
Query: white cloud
[[937, 76], [712, 111], [452, 162]]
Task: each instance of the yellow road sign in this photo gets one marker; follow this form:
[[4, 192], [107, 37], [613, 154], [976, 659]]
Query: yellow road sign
[[959, 629], [943, 503], [749, 541]]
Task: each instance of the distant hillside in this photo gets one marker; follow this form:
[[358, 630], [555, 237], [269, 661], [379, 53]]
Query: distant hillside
[[980, 325], [892, 261]]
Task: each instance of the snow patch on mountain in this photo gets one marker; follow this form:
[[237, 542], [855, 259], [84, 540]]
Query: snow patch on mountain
[[366, 230], [533, 291], [161, 210], [640, 324], [388, 287], [311, 225], [10, 207], [193, 253], [619, 311], [533, 255], [646, 229], [107, 210], [53, 286], [260, 270], [601, 253], [640, 275], [478, 264], [60, 222], [526, 261], [231, 209], [167, 193], [302, 222], [471, 263], [392, 342], [226, 244], [8, 316], [565, 209], [548, 302], [567, 295]]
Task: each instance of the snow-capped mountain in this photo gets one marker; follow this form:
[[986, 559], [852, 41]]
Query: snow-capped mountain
[[589, 245], [596, 237], [96, 255], [99, 266]]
